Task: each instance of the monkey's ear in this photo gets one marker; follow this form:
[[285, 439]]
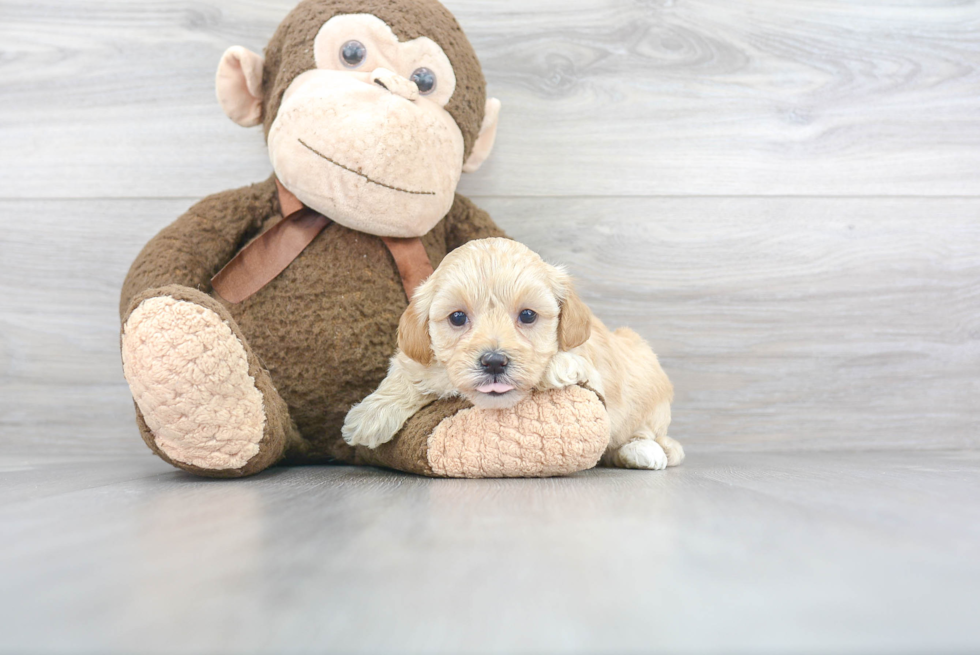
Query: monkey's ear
[[413, 331], [239, 85], [484, 141], [574, 321]]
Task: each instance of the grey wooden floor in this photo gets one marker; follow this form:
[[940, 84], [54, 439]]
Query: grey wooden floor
[[732, 552], [782, 197]]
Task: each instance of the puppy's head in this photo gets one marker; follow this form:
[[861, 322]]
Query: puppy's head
[[493, 314]]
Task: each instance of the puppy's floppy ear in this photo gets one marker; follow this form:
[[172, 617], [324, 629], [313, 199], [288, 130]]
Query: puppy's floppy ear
[[575, 319], [574, 322], [413, 328]]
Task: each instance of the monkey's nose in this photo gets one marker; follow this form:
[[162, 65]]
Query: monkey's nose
[[494, 362], [395, 83]]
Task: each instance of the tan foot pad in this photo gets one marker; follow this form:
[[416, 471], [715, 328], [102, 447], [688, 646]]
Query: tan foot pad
[[189, 376], [553, 433]]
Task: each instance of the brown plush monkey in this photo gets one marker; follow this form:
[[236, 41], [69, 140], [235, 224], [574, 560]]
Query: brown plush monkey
[[256, 320]]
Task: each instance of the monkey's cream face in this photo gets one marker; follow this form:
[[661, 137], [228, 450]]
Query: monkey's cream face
[[364, 138], [493, 320]]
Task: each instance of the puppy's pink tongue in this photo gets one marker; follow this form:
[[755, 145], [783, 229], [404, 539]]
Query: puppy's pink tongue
[[495, 387]]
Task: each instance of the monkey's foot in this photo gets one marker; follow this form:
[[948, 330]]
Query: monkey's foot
[[550, 433], [199, 390]]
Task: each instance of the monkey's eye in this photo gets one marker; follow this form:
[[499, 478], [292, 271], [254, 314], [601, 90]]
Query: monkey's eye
[[425, 80], [458, 319], [353, 53], [527, 316]]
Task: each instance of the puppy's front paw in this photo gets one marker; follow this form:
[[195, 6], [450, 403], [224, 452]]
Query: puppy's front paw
[[564, 370], [365, 425], [642, 454]]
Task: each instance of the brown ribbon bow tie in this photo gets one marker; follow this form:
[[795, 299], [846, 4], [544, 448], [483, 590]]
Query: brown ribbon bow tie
[[271, 252]]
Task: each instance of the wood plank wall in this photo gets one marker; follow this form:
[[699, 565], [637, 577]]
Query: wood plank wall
[[783, 197]]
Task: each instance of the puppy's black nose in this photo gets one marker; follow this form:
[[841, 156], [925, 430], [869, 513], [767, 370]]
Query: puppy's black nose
[[494, 362]]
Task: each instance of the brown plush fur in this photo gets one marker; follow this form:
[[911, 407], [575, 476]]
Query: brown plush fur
[[323, 329], [409, 450], [281, 434], [290, 52]]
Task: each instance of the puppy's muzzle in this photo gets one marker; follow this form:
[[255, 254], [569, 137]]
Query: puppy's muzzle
[[494, 363]]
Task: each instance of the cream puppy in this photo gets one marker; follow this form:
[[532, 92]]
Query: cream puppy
[[495, 322]]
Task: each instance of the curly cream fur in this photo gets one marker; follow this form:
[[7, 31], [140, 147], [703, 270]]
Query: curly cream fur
[[492, 281]]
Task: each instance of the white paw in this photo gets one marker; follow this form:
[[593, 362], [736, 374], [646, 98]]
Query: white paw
[[642, 454], [564, 370], [368, 424]]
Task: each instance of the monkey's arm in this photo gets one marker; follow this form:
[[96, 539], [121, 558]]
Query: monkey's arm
[[377, 418], [467, 222], [553, 432], [189, 251]]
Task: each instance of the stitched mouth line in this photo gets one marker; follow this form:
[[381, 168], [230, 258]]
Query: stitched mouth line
[[360, 174]]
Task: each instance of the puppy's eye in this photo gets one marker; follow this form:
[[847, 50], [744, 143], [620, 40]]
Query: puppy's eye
[[353, 53], [425, 80], [527, 316], [458, 319]]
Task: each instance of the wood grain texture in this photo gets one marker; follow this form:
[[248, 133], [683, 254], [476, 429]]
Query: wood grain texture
[[822, 321], [785, 323], [602, 97], [729, 553], [783, 197]]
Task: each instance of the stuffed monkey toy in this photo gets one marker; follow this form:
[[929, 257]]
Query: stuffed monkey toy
[[254, 322]]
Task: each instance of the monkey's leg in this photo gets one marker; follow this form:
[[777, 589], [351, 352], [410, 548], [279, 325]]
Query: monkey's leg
[[550, 433], [204, 402]]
